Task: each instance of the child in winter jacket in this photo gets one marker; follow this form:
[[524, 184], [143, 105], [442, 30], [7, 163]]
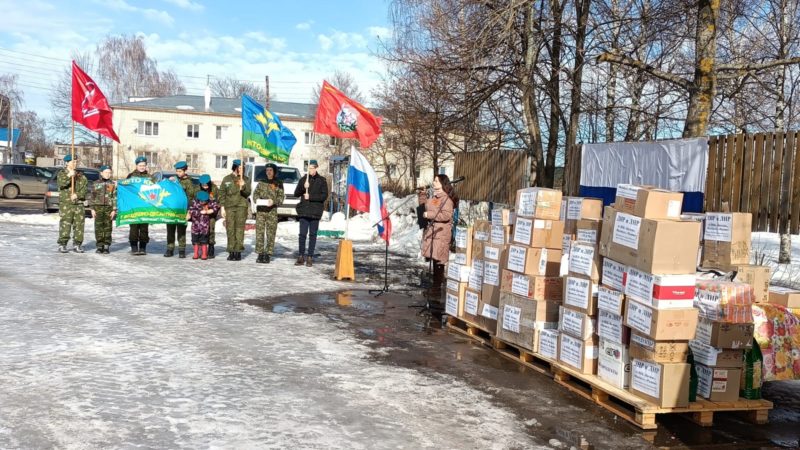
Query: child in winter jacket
[[201, 212]]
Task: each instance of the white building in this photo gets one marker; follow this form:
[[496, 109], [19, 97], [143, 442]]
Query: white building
[[207, 137]]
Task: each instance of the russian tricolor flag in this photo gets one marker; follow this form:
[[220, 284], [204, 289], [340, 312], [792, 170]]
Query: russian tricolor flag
[[364, 193]]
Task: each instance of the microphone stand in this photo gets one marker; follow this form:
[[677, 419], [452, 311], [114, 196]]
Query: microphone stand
[[385, 287]]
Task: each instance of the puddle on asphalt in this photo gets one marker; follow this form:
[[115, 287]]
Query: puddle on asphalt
[[392, 323]]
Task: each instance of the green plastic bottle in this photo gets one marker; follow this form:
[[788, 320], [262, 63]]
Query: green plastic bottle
[[692, 378], [750, 386]]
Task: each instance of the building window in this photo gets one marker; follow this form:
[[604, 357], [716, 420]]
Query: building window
[[442, 170], [152, 158], [220, 131], [417, 173], [193, 131], [310, 138], [335, 142], [391, 169], [221, 162], [250, 159], [147, 128], [193, 160]]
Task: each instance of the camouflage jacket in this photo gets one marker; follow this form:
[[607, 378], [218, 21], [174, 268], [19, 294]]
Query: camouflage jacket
[[271, 191], [230, 196], [137, 174], [189, 188], [65, 187], [104, 193]]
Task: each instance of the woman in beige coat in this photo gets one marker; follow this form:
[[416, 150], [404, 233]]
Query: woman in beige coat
[[436, 238]]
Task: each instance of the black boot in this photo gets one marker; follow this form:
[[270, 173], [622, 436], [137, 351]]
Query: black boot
[[169, 253], [231, 256], [238, 256], [106, 249], [182, 253], [134, 248], [260, 259], [266, 257], [99, 249], [210, 251], [142, 248]]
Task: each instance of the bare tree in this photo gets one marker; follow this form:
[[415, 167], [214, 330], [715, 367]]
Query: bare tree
[[231, 88], [32, 133], [343, 81]]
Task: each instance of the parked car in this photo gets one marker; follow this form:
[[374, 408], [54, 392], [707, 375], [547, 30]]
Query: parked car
[[289, 175], [23, 179], [50, 203], [166, 175]]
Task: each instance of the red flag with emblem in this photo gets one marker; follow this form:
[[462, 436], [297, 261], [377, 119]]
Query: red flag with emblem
[[341, 117], [89, 105]]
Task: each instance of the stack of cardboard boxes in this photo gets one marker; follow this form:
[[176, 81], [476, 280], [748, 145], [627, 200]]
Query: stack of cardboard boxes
[[459, 269], [530, 287], [650, 256]]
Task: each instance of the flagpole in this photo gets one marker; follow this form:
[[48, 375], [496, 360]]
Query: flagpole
[[347, 194], [72, 155]]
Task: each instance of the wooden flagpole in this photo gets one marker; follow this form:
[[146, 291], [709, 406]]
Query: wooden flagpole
[[72, 154], [345, 267]]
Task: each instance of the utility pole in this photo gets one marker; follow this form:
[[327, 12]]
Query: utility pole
[[10, 133], [266, 102]]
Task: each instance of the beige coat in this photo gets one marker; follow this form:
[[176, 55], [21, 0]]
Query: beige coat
[[436, 237]]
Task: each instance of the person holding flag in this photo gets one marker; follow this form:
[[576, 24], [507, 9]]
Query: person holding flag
[[72, 188], [312, 190]]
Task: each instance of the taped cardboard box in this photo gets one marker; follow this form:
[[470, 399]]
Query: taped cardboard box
[[490, 294], [725, 335], [607, 230], [456, 288], [458, 272], [496, 253], [532, 287], [662, 247], [789, 298], [625, 199], [453, 305], [501, 234], [578, 354], [576, 324], [642, 347], [463, 258], [584, 260], [588, 230], [538, 203], [502, 217], [584, 208], [472, 302], [727, 240], [482, 230], [534, 261], [580, 294], [614, 274], [649, 202], [661, 291], [463, 239], [476, 275], [725, 301], [611, 327], [548, 344], [610, 300], [701, 219], [538, 233], [662, 324], [488, 317], [716, 357], [518, 317], [665, 384], [756, 276], [491, 273], [476, 251], [718, 384], [614, 364]]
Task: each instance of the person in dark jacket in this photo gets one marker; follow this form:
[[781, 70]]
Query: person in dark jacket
[[312, 191]]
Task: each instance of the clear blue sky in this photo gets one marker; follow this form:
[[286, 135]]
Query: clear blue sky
[[296, 43]]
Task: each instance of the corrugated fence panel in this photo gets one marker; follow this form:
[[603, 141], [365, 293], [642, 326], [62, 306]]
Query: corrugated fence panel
[[492, 176]]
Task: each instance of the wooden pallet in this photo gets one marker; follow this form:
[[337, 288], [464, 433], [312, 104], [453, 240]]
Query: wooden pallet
[[525, 357], [470, 330]]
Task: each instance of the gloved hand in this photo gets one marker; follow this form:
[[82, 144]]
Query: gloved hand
[[270, 202], [73, 197]]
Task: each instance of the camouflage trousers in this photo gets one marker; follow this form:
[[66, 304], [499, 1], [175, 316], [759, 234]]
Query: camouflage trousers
[[172, 230], [266, 223], [211, 234], [72, 220], [235, 219], [139, 232], [103, 225]]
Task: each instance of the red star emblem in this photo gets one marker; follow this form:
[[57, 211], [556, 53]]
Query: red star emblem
[[152, 196]]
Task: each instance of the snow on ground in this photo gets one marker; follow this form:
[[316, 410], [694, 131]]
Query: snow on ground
[[765, 251], [110, 351]]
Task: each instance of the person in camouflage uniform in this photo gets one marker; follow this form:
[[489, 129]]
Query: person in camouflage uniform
[[233, 197], [139, 234], [180, 229], [70, 204], [104, 209], [268, 196], [208, 186]]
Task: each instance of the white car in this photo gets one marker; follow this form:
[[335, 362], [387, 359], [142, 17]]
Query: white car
[[289, 175]]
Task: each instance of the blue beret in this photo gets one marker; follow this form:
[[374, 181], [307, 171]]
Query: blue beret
[[205, 179], [237, 162], [68, 158], [201, 196], [141, 159], [102, 168], [181, 165], [313, 162]]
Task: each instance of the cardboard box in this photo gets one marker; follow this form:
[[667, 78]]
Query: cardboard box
[[578, 354], [662, 247], [716, 357], [476, 275], [625, 199], [614, 274], [614, 364], [453, 305], [588, 230], [610, 300], [648, 202], [456, 288], [458, 272], [534, 261], [611, 327], [463, 258], [472, 301], [532, 287], [464, 239], [476, 251], [725, 301], [518, 317], [491, 273], [548, 344], [501, 234], [642, 347], [789, 298], [662, 324], [502, 217], [495, 253], [538, 203], [538, 233], [607, 229], [576, 323], [756, 276], [488, 316], [717, 384], [660, 291], [665, 384], [580, 294], [584, 208], [490, 295], [701, 219], [725, 335], [727, 241], [584, 260], [482, 230]]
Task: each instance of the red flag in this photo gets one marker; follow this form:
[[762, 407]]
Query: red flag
[[342, 117], [89, 105]]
